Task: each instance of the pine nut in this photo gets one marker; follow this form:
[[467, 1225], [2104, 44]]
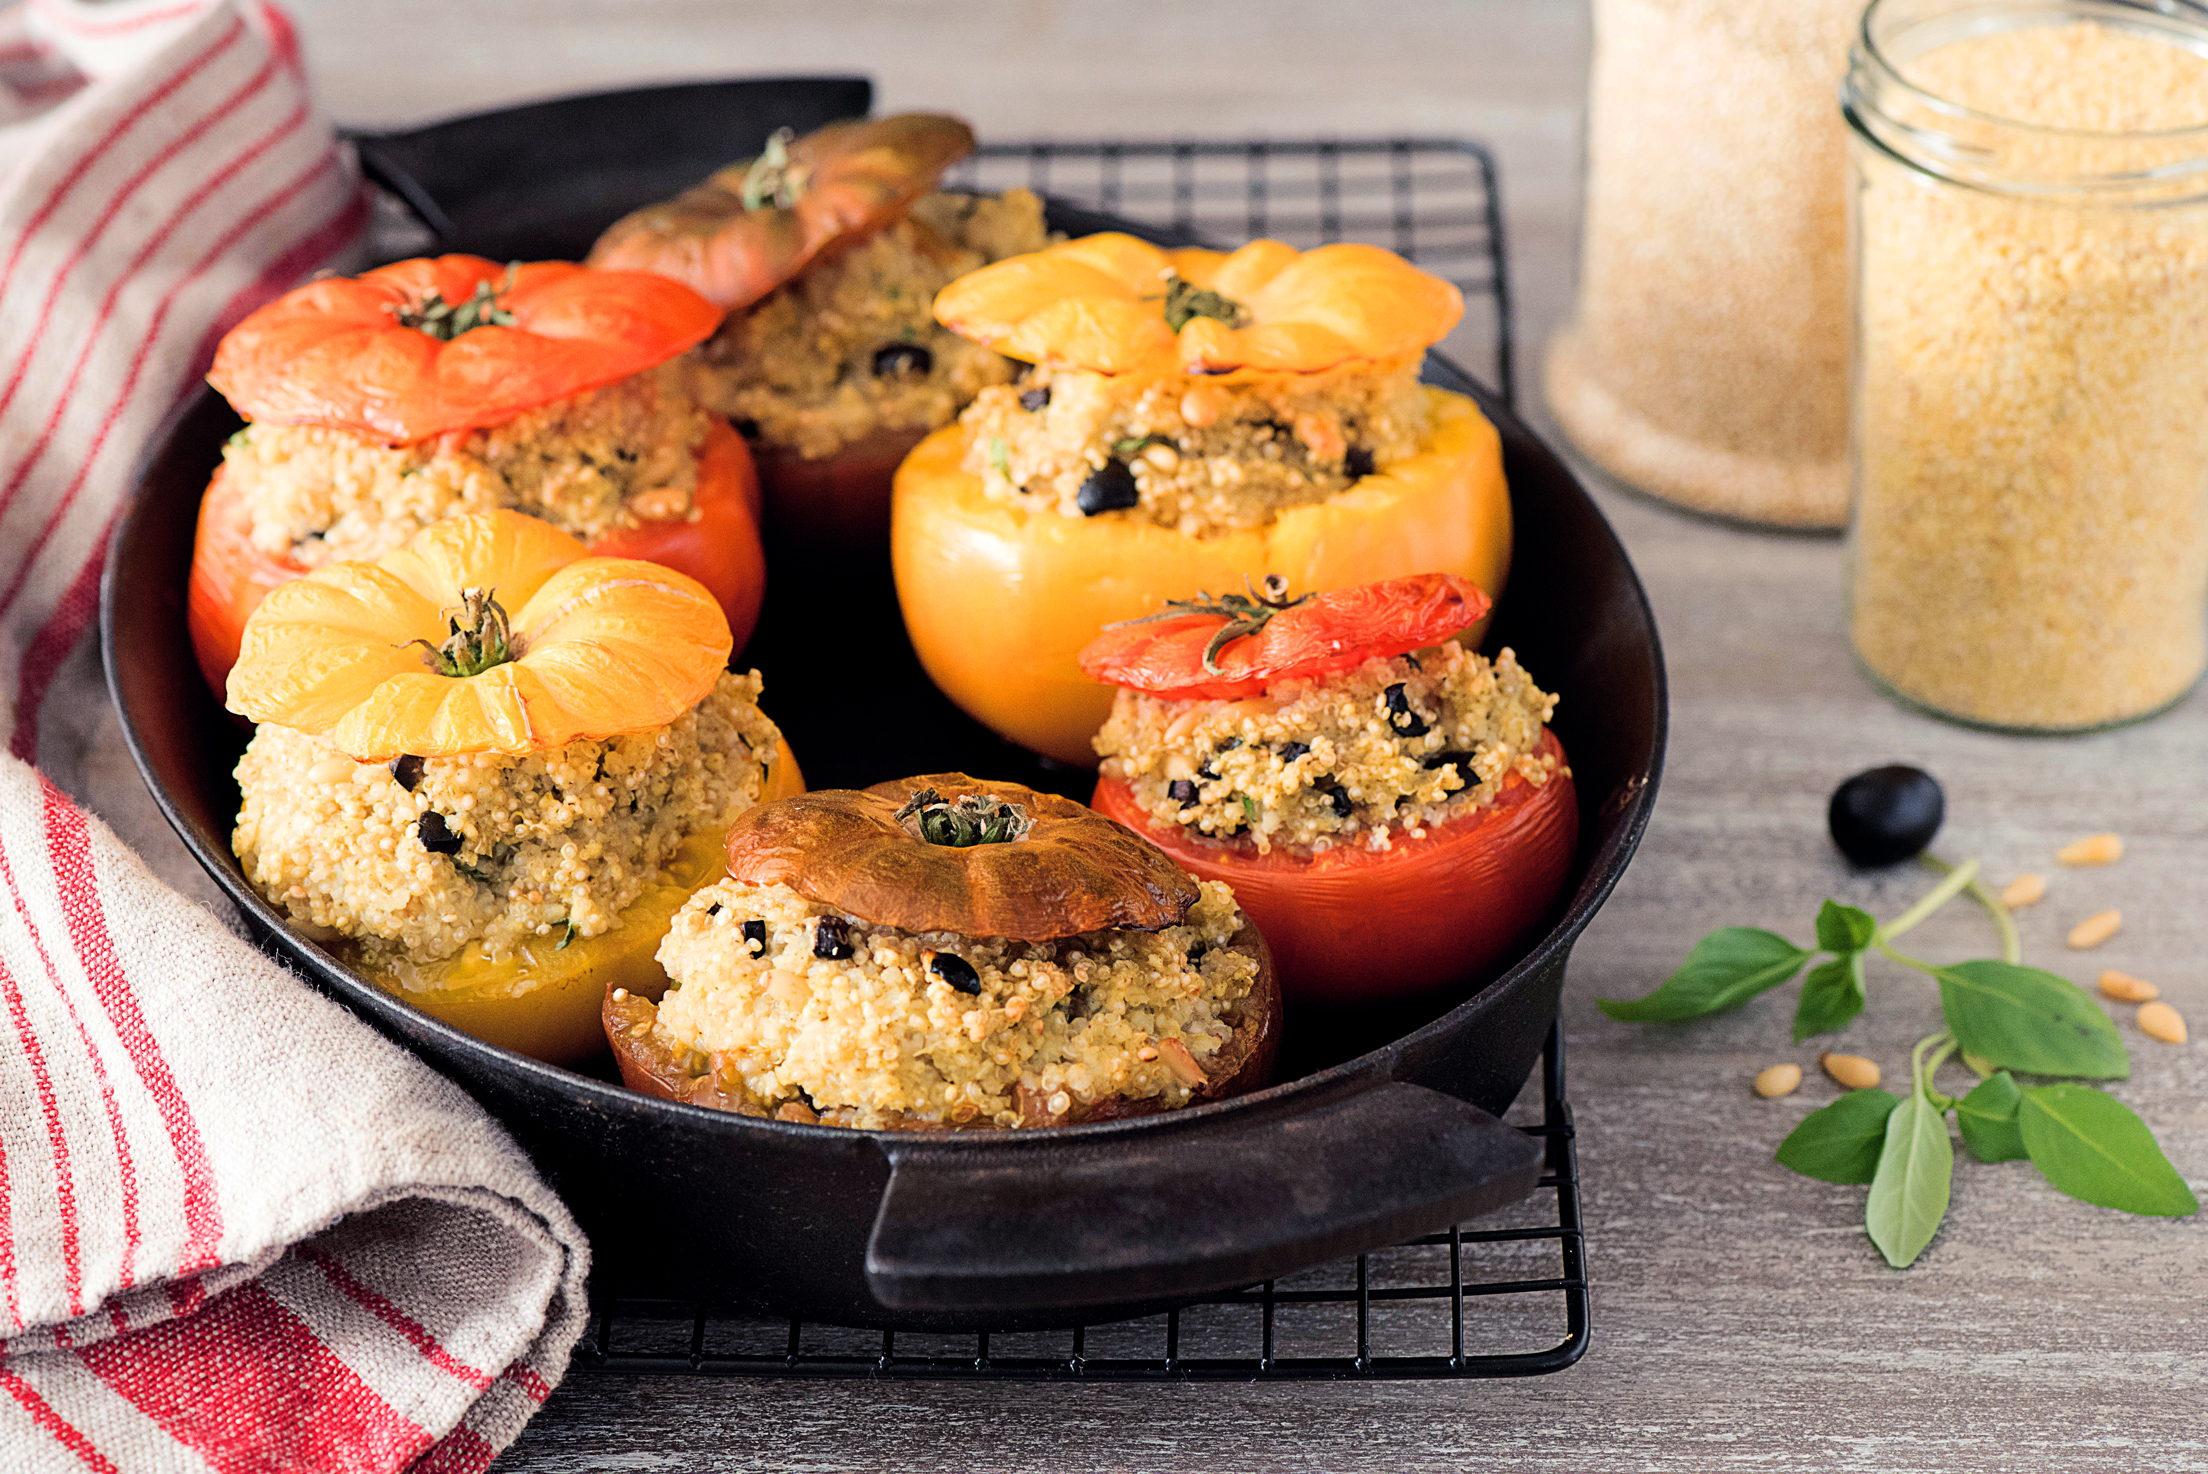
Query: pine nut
[[2160, 1021], [1779, 1080], [1202, 406], [330, 769], [1852, 1071], [2095, 929], [2125, 988], [1164, 457], [2025, 890], [2094, 849]]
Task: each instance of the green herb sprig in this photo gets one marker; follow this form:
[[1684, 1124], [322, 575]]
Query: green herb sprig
[[1245, 615], [2003, 1020]]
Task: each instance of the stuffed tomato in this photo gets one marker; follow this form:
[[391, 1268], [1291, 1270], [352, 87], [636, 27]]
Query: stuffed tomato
[[489, 768], [1193, 420], [1388, 805], [431, 389], [827, 251]]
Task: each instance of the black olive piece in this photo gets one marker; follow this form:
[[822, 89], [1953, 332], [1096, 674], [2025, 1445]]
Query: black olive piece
[[1196, 953], [748, 428], [1110, 488], [1406, 722], [714, 909], [832, 938], [1463, 760], [406, 770], [1357, 463], [902, 360], [436, 836], [1290, 751], [1181, 791], [1885, 815], [1034, 399], [956, 971], [1229, 744], [756, 931], [1207, 774], [1075, 1003], [1343, 803]]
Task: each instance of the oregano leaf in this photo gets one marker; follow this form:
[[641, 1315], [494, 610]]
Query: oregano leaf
[[2095, 1148], [1987, 1119], [1844, 928], [1832, 995], [2030, 1021], [1726, 969], [1909, 1190], [1841, 1142]]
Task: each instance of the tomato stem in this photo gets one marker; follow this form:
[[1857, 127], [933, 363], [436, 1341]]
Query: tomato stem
[[445, 321], [481, 636]]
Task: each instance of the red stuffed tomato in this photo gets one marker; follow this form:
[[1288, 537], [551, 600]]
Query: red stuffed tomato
[[1443, 903], [719, 547]]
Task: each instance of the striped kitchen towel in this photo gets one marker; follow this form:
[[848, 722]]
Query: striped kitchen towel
[[238, 1230]]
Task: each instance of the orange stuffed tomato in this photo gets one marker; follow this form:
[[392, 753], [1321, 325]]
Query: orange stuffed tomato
[[1193, 420], [1388, 805], [827, 250], [435, 388], [490, 767]]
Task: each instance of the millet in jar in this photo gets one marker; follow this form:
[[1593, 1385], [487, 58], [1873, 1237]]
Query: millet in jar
[[2030, 540]]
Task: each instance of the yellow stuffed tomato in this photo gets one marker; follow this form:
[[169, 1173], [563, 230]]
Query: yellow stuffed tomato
[[1193, 420], [489, 768]]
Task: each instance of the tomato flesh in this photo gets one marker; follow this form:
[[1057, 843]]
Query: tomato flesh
[[1356, 926], [719, 547]]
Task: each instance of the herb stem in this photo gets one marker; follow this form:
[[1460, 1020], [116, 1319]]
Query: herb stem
[[1962, 875], [1904, 958], [1921, 1069], [2012, 946]]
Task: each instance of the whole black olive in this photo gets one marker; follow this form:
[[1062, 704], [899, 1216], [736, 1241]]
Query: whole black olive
[[956, 971], [755, 931], [1357, 464], [902, 360], [436, 836], [1110, 488], [832, 938], [1035, 399], [1885, 815]]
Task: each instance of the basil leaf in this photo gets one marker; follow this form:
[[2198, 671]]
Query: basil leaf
[[1987, 1119], [1844, 928], [1726, 969], [1841, 1142], [2093, 1147], [1832, 994], [1909, 1191], [2030, 1021]]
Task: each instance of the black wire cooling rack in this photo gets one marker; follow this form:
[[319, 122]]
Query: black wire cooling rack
[[1506, 1297]]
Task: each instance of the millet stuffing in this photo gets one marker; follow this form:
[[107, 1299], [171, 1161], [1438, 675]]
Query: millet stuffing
[[417, 858], [850, 346], [1201, 455], [1360, 757], [812, 1013], [612, 457]]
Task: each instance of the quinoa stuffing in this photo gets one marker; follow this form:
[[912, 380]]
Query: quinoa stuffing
[[812, 1014], [1201, 455], [607, 458], [1361, 756], [415, 859], [850, 346]]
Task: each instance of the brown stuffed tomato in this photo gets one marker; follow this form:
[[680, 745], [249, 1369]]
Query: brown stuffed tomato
[[947, 953], [1389, 806]]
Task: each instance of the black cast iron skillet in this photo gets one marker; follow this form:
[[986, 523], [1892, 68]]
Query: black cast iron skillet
[[1382, 1129]]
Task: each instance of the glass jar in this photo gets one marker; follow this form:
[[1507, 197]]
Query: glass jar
[[2028, 540], [1707, 359]]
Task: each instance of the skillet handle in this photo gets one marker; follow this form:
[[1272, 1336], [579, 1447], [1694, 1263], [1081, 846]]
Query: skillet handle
[[1162, 1213]]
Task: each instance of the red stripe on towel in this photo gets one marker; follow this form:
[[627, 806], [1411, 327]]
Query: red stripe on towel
[[62, 1430], [49, 1106], [398, 1320]]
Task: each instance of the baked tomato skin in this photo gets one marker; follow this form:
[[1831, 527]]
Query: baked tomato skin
[[839, 503], [1311, 636], [719, 548], [544, 1000], [1357, 926], [999, 601]]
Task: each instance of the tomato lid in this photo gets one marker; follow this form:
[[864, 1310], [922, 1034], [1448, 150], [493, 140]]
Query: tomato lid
[[1239, 644], [423, 347]]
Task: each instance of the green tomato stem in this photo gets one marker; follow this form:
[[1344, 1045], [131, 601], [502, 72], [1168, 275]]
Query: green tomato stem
[[1957, 878]]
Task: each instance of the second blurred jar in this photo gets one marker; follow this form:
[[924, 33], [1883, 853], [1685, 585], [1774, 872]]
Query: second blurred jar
[[2029, 546], [1707, 362]]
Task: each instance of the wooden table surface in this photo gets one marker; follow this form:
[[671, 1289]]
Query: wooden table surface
[[1741, 1319]]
